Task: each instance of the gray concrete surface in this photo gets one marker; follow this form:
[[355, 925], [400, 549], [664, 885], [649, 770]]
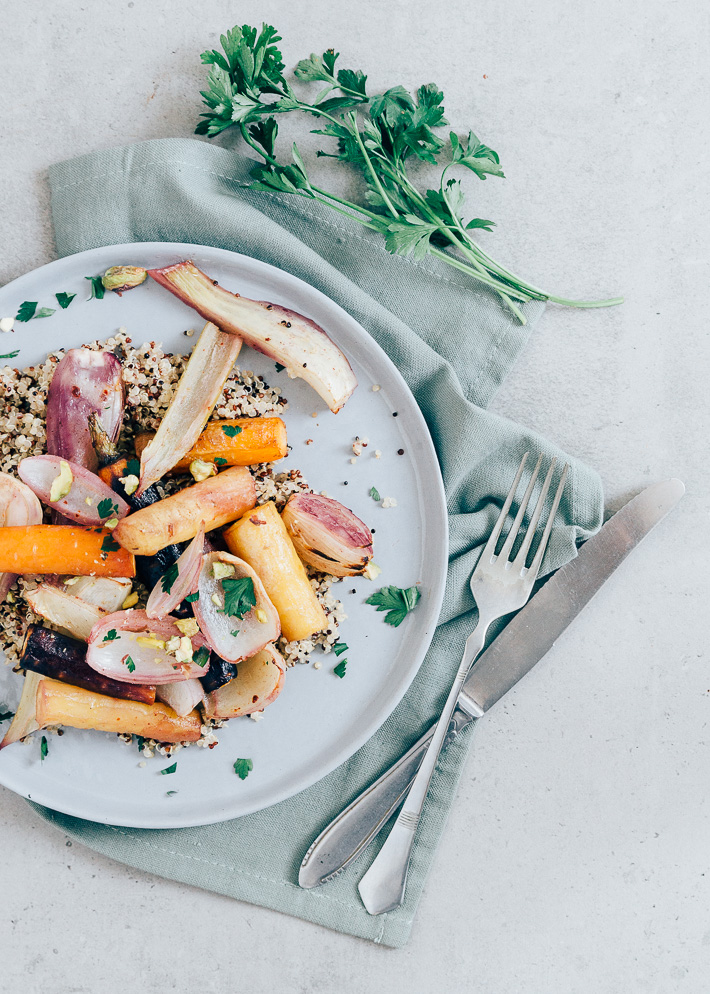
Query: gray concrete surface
[[576, 857]]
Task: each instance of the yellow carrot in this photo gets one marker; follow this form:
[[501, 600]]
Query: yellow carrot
[[63, 549], [237, 442], [260, 539], [62, 704]]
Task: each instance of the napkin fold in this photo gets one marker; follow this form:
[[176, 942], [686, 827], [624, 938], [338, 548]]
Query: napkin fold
[[453, 342]]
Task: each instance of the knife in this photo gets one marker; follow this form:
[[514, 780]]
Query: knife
[[524, 641]]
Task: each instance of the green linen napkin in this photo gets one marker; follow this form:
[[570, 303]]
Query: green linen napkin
[[453, 342]]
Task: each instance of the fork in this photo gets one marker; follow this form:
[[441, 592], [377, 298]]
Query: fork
[[499, 586]]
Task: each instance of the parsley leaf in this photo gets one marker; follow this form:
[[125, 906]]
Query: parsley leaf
[[339, 670], [231, 431], [106, 507], [43, 748], [239, 596], [10, 355], [202, 656], [45, 312], [279, 367], [168, 578], [396, 601], [374, 493], [141, 742], [219, 461], [26, 310], [191, 598], [339, 648], [169, 769], [130, 665], [170, 793], [4, 715], [64, 299], [110, 635], [234, 633], [109, 545], [133, 467], [243, 767], [97, 287]]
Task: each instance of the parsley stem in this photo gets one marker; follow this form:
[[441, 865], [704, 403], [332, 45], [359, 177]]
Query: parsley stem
[[370, 167]]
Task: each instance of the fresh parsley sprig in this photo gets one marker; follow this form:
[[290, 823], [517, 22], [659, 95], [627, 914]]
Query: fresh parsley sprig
[[396, 601], [380, 136]]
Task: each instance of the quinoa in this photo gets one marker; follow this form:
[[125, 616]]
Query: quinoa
[[150, 376]]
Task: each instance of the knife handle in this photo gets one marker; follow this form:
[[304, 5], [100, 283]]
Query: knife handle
[[348, 835]]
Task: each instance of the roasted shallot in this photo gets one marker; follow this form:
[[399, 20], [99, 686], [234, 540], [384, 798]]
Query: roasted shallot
[[130, 646], [84, 497], [327, 535]]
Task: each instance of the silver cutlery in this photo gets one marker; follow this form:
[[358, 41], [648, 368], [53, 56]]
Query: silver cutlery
[[524, 641], [500, 584]]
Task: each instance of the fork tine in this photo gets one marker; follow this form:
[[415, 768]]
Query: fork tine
[[535, 566], [515, 527], [490, 547], [522, 555]]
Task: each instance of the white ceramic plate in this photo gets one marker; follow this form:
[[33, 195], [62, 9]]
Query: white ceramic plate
[[319, 720]]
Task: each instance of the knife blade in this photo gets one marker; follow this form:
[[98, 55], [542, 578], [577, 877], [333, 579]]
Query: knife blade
[[524, 641]]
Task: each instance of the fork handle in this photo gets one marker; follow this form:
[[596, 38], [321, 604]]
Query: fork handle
[[383, 887]]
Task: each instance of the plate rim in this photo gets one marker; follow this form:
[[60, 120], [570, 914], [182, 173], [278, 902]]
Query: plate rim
[[437, 522]]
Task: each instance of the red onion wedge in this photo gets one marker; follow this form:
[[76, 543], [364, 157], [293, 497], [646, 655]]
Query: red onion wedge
[[327, 535], [87, 501], [258, 683], [223, 579], [179, 581], [198, 391], [286, 336], [132, 647], [83, 381], [18, 506], [181, 697]]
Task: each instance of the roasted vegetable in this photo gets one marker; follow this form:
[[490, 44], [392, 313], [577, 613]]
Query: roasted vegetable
[[63, 609], [174, 586], [197, 393], [61, 704], [64, 658], [327, 535], [105, 592], [178, 518], [84, 381], [258, 682], [237, 442], [233, 610], [218, 673], [122, 278], [284, 335], [18, 506], [63, 549], [85, 499], [131, 647], [25, 720], [181, 697], [260, 538]]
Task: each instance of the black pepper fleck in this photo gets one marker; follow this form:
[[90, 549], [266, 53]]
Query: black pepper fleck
[[395, 413], [353, 591], [400, 452], [345, 483]]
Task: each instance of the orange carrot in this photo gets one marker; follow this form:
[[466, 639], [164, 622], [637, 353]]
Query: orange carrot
[[257, 440], [63, 549]]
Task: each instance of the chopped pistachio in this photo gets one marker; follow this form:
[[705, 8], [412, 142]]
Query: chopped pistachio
[[221, 571], [111, 523], [371, 571], [130, 600], [120, 278], [201, 470], [184, 653], [130, 483], [217, 600], [61, 484], [88, 500], [173, 644], [261, 615], [151, 640], [188, 626]]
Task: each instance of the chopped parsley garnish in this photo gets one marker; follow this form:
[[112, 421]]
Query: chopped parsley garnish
[[168, 578], [133, 467], [45, 312], [243, 767], [110, 545], [220, 461], [202, 656], [64, 299], [339, 648], [339, 670], [110, 635], [170, 793], [97, 287], [239, 596], [106, 507], [43, 748], [130, 665], [141, 742], [279, 367], [26, 310], [191, 598], [10, 355], [234, 633], [231, 430], [169, 769], [4, 715], [396, 601], [374, 493]]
